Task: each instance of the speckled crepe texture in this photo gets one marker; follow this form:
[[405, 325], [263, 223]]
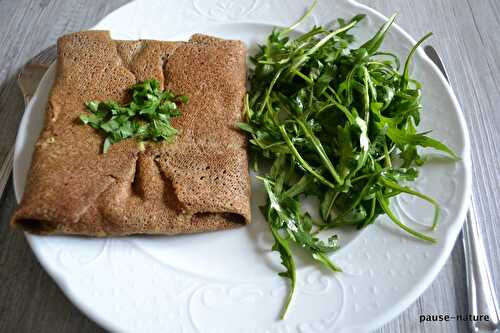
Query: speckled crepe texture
[[198, 183]]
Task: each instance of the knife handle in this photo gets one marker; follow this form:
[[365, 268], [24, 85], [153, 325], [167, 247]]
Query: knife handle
[[481, 293], [481, 298]]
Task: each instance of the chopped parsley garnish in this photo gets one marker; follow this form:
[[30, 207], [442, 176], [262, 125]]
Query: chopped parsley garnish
[[337, 123], [145, 118]]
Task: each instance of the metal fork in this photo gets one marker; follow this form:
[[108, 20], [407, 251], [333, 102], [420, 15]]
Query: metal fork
[[481, 296], [28, 79]]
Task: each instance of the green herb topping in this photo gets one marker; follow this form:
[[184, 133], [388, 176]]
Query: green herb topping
[[146, 117], [339, 124]]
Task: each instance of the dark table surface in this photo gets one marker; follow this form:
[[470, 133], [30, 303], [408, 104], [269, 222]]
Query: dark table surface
[[467, 35]]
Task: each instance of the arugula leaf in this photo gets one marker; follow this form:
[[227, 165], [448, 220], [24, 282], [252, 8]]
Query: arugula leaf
[[402, 137], [281, 245], [146, 118], [373, 44]]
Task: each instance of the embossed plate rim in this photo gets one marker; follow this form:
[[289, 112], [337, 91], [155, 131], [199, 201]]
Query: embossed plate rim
[[392, 311]]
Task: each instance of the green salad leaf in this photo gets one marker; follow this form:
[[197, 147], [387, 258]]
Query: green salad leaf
[[338, 123], [146, 117]]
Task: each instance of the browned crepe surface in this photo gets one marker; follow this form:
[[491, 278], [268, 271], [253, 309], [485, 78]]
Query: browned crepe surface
[[198, 183]]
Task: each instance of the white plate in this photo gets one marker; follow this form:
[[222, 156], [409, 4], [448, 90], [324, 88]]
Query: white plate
[[227, 281]]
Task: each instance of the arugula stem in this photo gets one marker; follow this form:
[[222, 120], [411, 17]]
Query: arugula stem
[[395, 186], [310, 34], [264, 179], [334, 94], [387, 157], [359, 197], [371, 217], [287, 258], [356, 179], [248, 111], [366, 94], [304, 164], [408, 59], [389, 54], [330, 36], [269, 89], [326, 261], [330, 205], [387, 210], [319, 44], [302, 76], [321, 152], [349, 79], [299, 22], [341, 107]]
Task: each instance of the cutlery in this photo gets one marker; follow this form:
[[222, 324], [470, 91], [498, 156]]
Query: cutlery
[[481, 295], [28, 79]]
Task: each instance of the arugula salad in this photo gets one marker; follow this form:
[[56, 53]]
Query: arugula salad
[[337, 123]]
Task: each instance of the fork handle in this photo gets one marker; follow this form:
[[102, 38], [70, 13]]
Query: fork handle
[[5, 169], [6, 165], [481, 293]]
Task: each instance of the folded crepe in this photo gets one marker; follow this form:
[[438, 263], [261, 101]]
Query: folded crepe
[[198, 183]]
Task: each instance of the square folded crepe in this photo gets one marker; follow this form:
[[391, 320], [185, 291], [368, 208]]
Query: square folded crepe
[[198, 183]]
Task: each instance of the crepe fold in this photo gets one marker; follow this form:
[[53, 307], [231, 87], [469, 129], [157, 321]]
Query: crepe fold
[[198, 183]]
